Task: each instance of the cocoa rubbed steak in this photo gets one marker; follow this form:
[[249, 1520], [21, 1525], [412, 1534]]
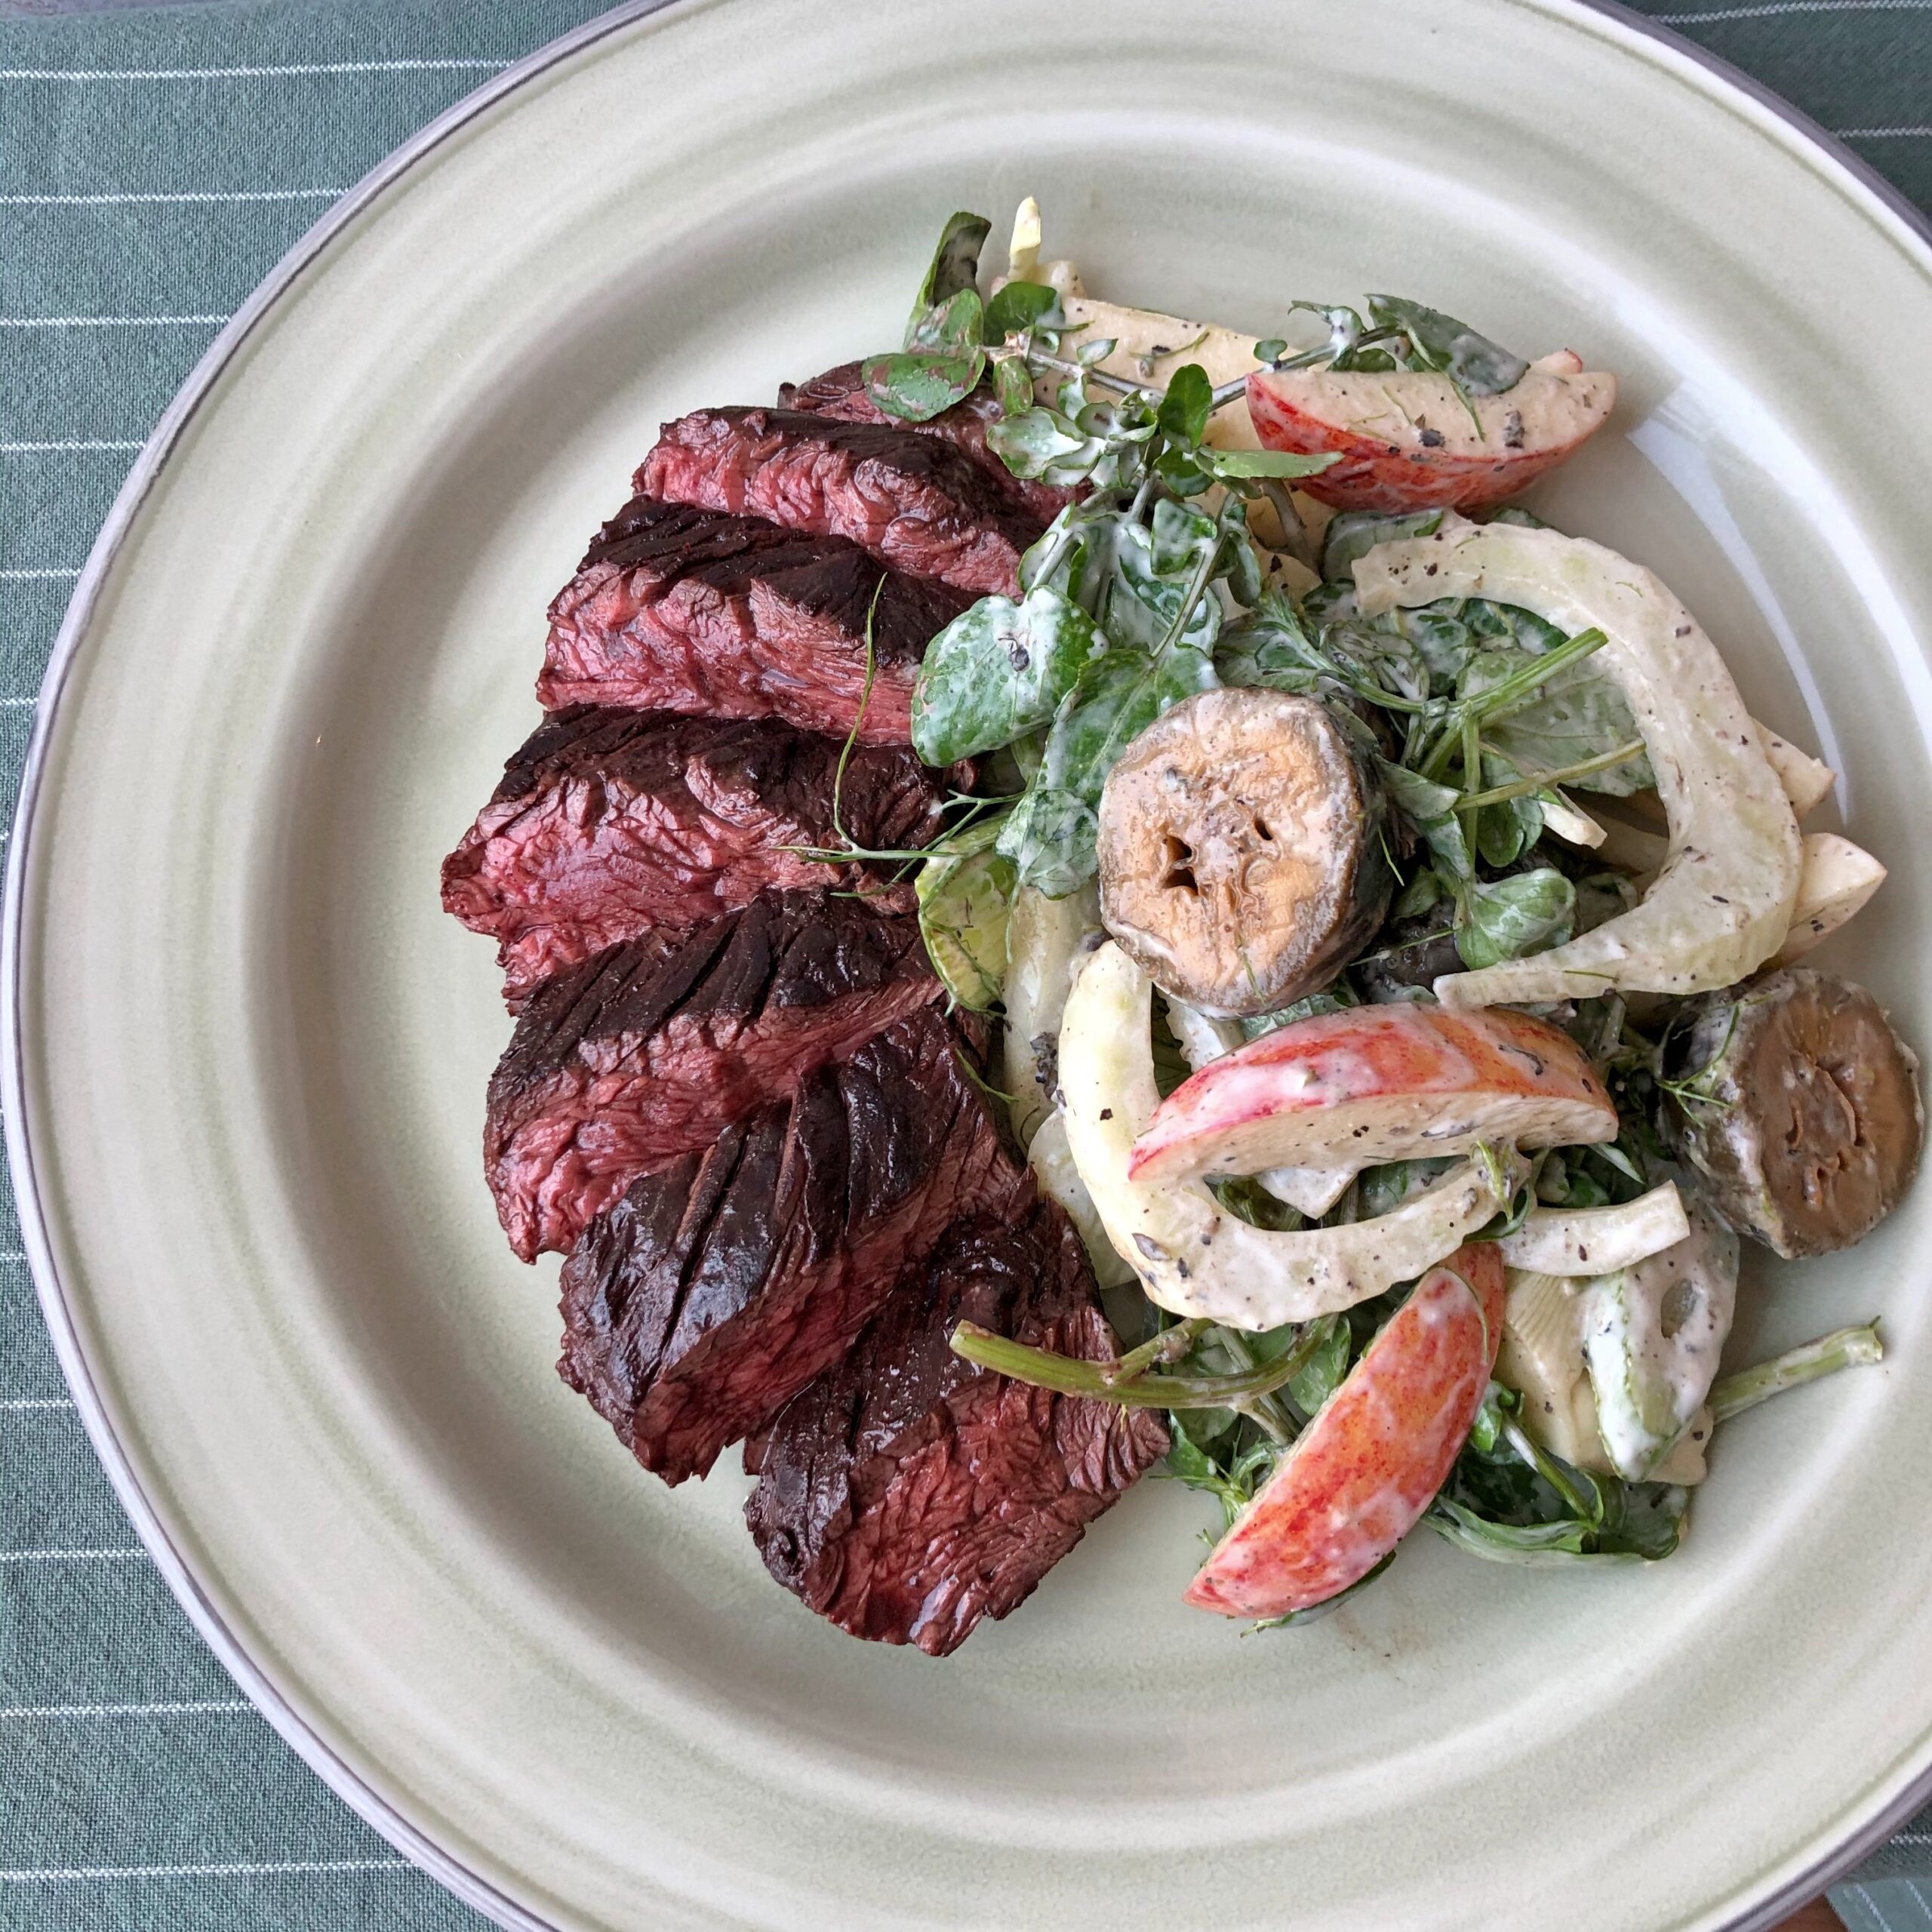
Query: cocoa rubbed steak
[[679, 608], [721, 1284], [915, 502], [609, 822], [907, 1494], [841, 392], [652, 1048]]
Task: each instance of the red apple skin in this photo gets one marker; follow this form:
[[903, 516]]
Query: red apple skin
[[1375, 474], [1375, 1084], [1361, 1475]]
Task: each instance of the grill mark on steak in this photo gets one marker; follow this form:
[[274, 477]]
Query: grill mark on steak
[[609, 822], [907, 1494], [725, 1282], [649, 1049], [915, 502], [840, 393], [678, 608]]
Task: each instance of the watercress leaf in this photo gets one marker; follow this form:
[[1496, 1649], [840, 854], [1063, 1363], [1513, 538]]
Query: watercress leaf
[[1088, 353], [1049, 839], [1240, 567], [952, 327], [1038, 440], [954, 269], [1017, 305], [1421, 892], [1315, 1383], [1269, 347], [1182, 471], [1440, 342], [1510, 919], [917, 386], [1235, 465], [1430, 809], [1143, 601], [1185, 409], [1013, 387], [963, 900], [1179, 535], [1353, 534], [1579, 714], [998, 670], [1505, 832], [1515, 513]]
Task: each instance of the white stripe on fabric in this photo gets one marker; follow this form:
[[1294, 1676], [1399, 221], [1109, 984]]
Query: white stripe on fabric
[[186, 194], [38, 448], [70, 1555], [80, 1874], [38, 1402], [1774, 8], [1881, 133], [17, 576], [250, 73], [195, 1707], [105, 322]]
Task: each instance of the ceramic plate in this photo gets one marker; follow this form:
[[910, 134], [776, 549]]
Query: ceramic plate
[[249, 1052]]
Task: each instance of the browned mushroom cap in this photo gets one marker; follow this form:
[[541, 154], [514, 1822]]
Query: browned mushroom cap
[[1800, 1108], [1241, 850]]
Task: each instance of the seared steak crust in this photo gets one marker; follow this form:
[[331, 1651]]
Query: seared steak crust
[[913, 501], [907, 1494], [678, 608], [723, 1282], [650, 1049], [608, 822], [841, 392]]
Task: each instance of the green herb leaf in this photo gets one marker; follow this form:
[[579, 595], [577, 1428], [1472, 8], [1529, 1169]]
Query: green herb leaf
[[1579, 713], [1353, 534], [1440, 342], [998, 670], [916, 385], [1042, 444], [1430, 809], [1185, 409], [1510, 919], [1013, 387], [1326, 1367], [1017, 305], [964, 898], [1269, 349], [1237, 465], [954, 269]]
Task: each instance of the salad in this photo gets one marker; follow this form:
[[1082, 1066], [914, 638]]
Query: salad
[[1393, 916]]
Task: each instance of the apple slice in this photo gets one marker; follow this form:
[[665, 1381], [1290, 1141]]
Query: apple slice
[[1359, 1477], [1376, 1084], [1409, 440]]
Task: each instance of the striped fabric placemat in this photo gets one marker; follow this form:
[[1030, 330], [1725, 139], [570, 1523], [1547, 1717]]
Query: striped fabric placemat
[[154, 162]]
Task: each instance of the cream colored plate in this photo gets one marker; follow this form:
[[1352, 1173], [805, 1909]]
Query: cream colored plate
[[249, 1075]]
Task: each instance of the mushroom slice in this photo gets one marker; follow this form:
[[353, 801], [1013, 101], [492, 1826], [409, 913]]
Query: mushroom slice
[[1799, 1106], [1193, 1257], [1241, 850], [1720, 907]]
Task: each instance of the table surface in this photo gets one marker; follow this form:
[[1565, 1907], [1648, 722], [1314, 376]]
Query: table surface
[[154, 162]]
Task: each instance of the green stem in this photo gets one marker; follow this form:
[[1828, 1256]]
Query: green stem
[[1542, 781], [1520, 687], [1170, 1344], [1197, 589], [1843, 1348], [1040, 1368]]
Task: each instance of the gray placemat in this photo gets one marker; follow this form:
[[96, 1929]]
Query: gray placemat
[[154, 164]]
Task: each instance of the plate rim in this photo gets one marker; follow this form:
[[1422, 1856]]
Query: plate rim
[[1825, 150]]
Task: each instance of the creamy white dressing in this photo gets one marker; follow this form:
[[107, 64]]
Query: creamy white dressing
[[1720, 907], [1192, 1258]]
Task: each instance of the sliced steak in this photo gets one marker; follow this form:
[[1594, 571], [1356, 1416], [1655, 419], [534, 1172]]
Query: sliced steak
[[675, 608], [609, 822], [913, 501], [652, 1048], [907, 1494], [721, 1284], [841, 392]]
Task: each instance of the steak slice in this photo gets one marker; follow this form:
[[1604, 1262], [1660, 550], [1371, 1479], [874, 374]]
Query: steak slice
[[906, 1493], [913, 501], [722, 1283], [841, 392], [675, 608], [652, 1048], [609, 822]]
